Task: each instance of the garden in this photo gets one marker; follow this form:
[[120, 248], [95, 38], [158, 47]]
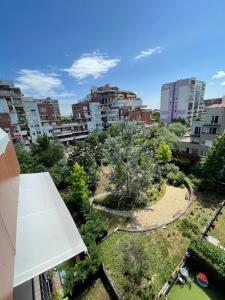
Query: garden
[[139, 170]]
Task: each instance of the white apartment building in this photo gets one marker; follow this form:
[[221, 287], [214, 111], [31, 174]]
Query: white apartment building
[[33, 118], [182, 99]]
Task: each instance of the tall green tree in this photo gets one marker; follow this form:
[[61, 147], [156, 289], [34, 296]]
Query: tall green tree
[[47, 152], [213, 165], [78, 183], [26, 161]]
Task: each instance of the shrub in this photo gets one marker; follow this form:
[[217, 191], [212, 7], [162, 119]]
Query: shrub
[[210, 258], [176, 179]]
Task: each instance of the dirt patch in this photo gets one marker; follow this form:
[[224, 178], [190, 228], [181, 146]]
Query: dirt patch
[[104, 182], [170, 206]]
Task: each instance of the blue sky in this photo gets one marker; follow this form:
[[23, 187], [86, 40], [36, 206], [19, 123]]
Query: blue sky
[[63, 48]]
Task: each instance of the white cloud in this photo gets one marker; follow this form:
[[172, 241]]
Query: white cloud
[[223, 83], [148, 52], [218, 74], [95, 65], [41, 85]]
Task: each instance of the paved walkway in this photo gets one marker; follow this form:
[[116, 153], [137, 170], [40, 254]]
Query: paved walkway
[[172, 205]]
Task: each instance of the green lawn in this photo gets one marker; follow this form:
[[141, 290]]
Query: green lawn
[[96, 291], [195, 292], [219, 231], [165, 247]]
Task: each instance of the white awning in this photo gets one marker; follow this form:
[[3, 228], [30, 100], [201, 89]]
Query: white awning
[[46, 232]]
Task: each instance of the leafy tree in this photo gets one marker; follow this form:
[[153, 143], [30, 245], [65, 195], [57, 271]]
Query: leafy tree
[[213, 165], [47, 152], [156, 116], [164, 154], [179, 120], [25, 159], [85, 154], [78, 183], [58, 296], [60, 173], [178, 128]]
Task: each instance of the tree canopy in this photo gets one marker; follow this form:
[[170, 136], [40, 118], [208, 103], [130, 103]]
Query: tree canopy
[[178, 128], [213, 165]]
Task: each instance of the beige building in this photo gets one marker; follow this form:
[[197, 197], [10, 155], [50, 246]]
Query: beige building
[[203, 133]]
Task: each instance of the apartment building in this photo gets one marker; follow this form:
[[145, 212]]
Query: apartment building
[[33, 118], [12, 113], [55, 105], [67, 133], [37, 231], [48, 117], [182, 99], [203, 133], [106, 104]]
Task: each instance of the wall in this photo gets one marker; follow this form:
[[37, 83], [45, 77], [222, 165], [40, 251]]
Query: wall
[[9, 188]]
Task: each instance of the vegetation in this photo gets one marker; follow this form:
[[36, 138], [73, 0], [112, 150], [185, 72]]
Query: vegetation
[[219, 230], [137, 157], [179, 120], [178, 128], [156, 116], [164, 247], [213, 165], [210, 257]]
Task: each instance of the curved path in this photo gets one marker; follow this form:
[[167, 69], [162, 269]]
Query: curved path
[[170, 207]]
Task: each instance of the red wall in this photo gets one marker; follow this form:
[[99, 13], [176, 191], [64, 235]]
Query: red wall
[[9, 189]]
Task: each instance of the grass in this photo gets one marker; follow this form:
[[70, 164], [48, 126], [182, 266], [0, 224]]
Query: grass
[[195, 292], [219, 231], [96, 291], [165, 247]]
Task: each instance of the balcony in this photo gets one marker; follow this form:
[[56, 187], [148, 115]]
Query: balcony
[[192, 157]]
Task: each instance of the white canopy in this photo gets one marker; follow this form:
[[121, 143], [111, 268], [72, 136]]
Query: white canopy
[[46, 232]]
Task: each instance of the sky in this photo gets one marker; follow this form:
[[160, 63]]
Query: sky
[[63, 48]]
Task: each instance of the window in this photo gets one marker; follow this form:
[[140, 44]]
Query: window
[[212, 130], [197, 130], [215, 119]]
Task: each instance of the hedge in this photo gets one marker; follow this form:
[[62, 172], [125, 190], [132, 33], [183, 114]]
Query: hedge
[[209, 257]]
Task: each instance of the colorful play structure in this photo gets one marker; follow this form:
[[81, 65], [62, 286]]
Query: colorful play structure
[[202, 279]]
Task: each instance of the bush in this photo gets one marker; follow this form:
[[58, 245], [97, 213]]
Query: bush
[[210, 258], [176, 178]]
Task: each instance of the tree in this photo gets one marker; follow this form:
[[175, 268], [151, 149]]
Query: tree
[[60, 173], [178, 128], [213, 165], [164, 154], [25, 159], [85, 154], [47, 152], [78, 183], [180, 120], [156, 116]]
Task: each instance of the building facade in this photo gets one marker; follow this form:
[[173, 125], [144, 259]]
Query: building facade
[[33, 118], [106, 105], [12, 113], [203, 133], [182, 99]]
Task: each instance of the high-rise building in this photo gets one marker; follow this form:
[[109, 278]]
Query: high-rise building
[[12, 114], [182, 99], [33, 118]]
